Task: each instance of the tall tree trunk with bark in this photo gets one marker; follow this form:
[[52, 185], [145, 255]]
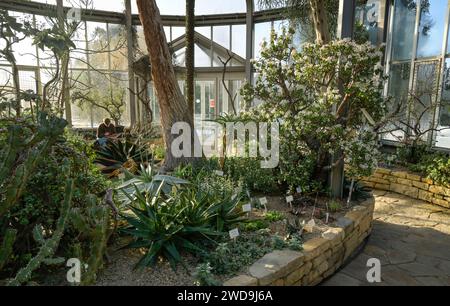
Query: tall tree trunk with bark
[[320, 21], [190, 54], [172, 104]]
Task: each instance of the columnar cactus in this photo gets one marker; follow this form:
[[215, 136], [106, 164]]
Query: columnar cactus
[[50, 245]]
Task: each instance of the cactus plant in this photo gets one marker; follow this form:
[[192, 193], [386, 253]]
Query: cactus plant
[[50, 245], [94, 226], [7, 246]]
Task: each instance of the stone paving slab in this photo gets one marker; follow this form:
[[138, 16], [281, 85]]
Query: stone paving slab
[[411, 238]]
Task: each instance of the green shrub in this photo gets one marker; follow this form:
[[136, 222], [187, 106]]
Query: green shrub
[[204, 276], [255, 225], [231, 256], [274, 216], [249, 171]]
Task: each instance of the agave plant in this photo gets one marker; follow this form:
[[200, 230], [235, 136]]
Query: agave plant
[[122, 154], [166, 226], [146, 181]]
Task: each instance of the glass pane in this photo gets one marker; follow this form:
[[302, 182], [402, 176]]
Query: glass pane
[[177, 32], [403, 31], [425, 90], [78, 56], [221, 35], [239, 42], [98, 45], [118, 46], [205, 31], [262, 32], [443, 136], [22, 46], [431, 27], [398, 90], [367, 19], [207, 7]]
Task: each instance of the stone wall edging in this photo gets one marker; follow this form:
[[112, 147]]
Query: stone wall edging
[[409, 184], [320, 258]]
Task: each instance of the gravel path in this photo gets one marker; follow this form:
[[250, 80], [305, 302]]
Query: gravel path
[[120, 272]]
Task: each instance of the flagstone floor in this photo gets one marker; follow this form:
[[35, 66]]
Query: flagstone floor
[[410, 237]]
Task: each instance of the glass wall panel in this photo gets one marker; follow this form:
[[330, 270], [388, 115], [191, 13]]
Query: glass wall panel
[[221, 35], [98, 45], [403, 29], [239, 44], [78, 56], [425, 91], [443, 135], [262, 32], [399, 91], [367, 21], [24, 51], [118, 46], [431, 27], [205, 31], [177, 32]]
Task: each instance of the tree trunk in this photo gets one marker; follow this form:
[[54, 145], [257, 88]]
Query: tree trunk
[[320, 21], [171, 101], [190, 54]]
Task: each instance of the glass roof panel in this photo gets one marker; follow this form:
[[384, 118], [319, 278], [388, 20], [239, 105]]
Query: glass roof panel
[[202, 7]]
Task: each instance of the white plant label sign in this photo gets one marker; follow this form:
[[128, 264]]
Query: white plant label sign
[[234, 233], [247, 208], [299, 190], [219, 173], [289, 199], [263, 202]]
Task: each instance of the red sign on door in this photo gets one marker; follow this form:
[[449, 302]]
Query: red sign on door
[[212, 103]]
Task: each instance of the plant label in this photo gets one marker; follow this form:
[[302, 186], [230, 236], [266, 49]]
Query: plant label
[[309, 227], [263, 202], [219, 173], [247, 208], [248, 194], [299, 190], [289, 199], [234, 233], [327, 218]]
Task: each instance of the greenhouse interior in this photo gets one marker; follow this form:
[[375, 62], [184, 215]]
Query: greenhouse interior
[[233, 143]]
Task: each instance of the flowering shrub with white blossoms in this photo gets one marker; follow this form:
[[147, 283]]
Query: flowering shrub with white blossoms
[[318, 94]]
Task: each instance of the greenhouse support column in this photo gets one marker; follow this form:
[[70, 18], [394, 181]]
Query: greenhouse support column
[[131, 58], [345, 30], [249, 41]]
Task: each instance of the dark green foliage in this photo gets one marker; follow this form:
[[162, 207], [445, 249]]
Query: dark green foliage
[[166, 226], [255, 225], [93, 224], [435, 166], [48, 246], [169, 224], [204, 276], [360, 192], [274, 216], [7, 247], [118, 152], [38, 161], [254, 177], [230, 257]]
